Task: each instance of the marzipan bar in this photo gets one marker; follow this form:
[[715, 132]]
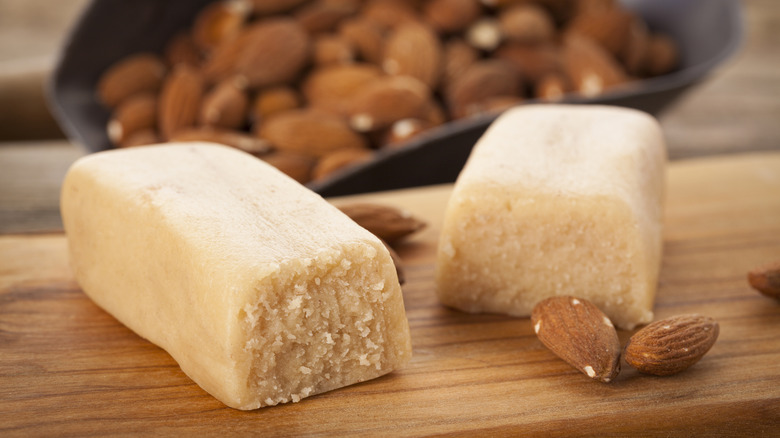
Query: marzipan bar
[[558, 200], [261, 290]]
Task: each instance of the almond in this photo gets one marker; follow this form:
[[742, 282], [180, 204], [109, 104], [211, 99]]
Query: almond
[[635, 50], [491, 105], [766, 279], [138, 113], [532, 62], [218, 22], [367, 39], [414, 49], [311, 132], [338, 161], [590, 68], [180, 100], [140, 73], [609, 28], [333, 50], [275, 100], [324, 15], [671, 345], [386, 100], [236, 139], [181, 49], [458, 56], [579, 333], [481, 81], [527, 24], [662, 55], [388, 223], [450, 16], [270, 52], [225, 106], [296, 166], [333, 88]]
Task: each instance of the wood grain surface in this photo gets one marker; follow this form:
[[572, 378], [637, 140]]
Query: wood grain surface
[[69, 369]]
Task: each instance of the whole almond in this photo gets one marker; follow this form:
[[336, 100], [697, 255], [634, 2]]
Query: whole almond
[[367, 39], [450, 16], [138, 113], [296, 166], [414, 49], [671, 345], [635, 51], [181, 49], [274, 100], [590, 68], [484, 79], [271, 52], [311, 132], [766, 279], [386, 100], [458, 56], [140, 73], [237, 139], [225, 106], [386, 222], [609, 28], [580, 334], [527, 24], [218, 22], [333, 88], [180, 100], [338, 161]]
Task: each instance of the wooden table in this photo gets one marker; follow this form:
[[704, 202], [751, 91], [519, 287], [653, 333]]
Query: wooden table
[[70, 369]]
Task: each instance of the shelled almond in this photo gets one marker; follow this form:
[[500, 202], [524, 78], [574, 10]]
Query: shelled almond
[[311, 79]]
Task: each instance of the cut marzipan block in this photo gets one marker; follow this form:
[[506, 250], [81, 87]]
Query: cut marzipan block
[[261, 290]]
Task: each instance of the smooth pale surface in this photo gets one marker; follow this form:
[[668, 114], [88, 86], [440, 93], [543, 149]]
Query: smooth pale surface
[[261, 290], [557, 200]]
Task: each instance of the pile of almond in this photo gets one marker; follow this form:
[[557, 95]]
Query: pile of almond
[[313, 86]]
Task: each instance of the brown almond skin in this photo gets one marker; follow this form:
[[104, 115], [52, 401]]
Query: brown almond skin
[[137, 113], [181, 49], [589, 67], [580, 334], [310, 132], [218, 22], [671, 345], [388, 223], [414, 49], [275, 100], [387, 99], [270, 52], [140, 73], [481, 81], [339, 160], [333, 88], [766, 279], [225, 106], [180, 100], [296, 166], [449, 16], [527, 24]]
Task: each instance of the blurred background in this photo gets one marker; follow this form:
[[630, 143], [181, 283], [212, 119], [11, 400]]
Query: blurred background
[[736, 110]]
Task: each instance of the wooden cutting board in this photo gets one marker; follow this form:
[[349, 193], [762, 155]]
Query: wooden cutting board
[[68, 368]]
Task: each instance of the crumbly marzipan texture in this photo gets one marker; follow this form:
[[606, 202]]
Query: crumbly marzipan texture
[[262, 291]]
